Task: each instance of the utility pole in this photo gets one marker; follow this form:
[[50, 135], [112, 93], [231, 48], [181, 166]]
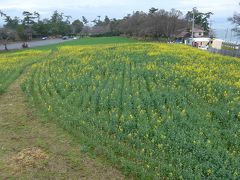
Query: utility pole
[[193, 21], [231, 35], [211, 31], [226, 34]]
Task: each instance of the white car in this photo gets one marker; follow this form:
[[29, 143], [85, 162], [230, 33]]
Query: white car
[[44, 38], [203, 47]]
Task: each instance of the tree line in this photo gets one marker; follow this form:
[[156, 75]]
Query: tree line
[[155, 24], [235, 20], [32, 26]]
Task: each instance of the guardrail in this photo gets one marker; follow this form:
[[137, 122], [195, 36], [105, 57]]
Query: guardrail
[[234, 53]]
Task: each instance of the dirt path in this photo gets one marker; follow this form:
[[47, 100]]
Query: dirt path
[[31, 149]]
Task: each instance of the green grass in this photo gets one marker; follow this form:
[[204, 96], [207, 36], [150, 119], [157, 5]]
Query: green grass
[[90, 41], [230, 48]]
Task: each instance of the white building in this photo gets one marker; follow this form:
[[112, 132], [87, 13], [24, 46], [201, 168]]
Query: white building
[[198, 42], [197, 32], [185, 34], [217, 43]]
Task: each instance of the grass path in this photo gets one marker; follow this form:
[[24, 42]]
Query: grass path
[[33, 149]]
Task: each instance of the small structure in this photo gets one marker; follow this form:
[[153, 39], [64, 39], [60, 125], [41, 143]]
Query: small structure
[[185, 34], [197, 32], [217, 43], [198, 42]]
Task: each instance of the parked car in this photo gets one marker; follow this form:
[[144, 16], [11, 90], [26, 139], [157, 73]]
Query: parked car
[[74, 38], [64, 37], [203, 47], [25, 45], [44, 38]]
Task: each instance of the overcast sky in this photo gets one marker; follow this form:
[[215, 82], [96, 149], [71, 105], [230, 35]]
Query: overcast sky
[[119, 8]]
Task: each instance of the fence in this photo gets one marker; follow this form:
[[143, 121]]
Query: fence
[[234, 53]]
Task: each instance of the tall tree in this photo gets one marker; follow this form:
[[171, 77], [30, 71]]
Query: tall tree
[[29, 17], [77, 26], [59, 25], [42, 27], [156, 24], [68, 19], [6, 35], [12, 23], [152, 10], [173, 22], [84, 19], [37, 16], [28, 21], [5, 16], [107, 20], [201, 19], [236, 21]]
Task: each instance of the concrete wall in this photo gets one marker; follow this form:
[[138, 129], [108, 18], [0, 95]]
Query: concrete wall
[[234, 53]]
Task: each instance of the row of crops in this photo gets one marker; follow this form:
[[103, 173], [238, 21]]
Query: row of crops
[[155, 110], [12, 65]]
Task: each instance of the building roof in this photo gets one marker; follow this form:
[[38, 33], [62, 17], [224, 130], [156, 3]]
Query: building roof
[[183, 34], [218, 40], [186, 32], [201, 39], [197, 30]]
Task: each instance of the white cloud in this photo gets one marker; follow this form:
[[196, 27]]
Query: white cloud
[[91, 8], [58, 4], [224, 6]]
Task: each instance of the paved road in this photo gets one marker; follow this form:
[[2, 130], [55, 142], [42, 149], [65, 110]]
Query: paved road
[[13, 46]]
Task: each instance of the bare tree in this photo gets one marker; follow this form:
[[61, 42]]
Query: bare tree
[[85, 31], [6, 35], [236, 21], [174, 22], [156, 24]]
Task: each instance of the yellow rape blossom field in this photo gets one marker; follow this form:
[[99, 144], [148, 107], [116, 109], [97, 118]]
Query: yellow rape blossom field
[[155, 111], [13, 64]]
